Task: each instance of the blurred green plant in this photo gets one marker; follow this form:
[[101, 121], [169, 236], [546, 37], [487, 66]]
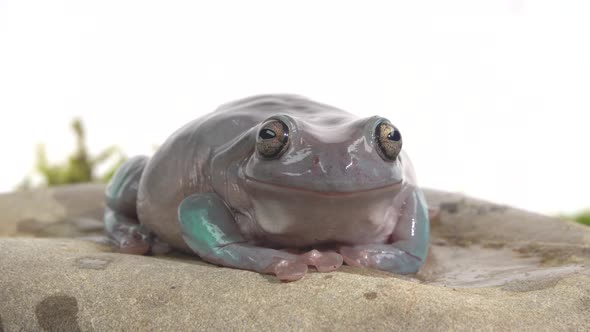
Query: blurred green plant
[[80, 166], [583, 218]]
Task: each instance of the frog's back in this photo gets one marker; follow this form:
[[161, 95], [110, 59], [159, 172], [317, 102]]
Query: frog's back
[[180, 167], [232, 119]]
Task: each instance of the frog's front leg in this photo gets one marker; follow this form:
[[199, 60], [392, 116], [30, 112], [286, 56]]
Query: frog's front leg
[[408, 245], [209, 229]]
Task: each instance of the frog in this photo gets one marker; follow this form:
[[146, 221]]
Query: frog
[[275, 184]]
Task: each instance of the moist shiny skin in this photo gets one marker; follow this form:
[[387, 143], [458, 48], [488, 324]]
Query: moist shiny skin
[[330, 188]]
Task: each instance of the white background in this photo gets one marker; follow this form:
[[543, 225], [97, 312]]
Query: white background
[[492, 97]]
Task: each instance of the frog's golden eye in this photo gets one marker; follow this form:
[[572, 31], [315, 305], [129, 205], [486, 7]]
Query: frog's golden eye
[[272, 139], [389, 140]]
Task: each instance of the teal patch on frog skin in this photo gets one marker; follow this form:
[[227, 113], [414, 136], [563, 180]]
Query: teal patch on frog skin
[[204, 219], [423, 224], [417, 245]]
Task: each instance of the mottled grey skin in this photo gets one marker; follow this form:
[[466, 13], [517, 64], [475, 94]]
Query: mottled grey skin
[[331, 189]]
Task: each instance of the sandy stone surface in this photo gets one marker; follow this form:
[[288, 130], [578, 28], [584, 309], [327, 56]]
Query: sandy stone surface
[[489, 267]]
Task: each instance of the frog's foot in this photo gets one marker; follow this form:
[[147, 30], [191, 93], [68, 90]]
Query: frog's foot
[[290, 270], [287, 270], [323, 261], [127, 234], [382, 257]]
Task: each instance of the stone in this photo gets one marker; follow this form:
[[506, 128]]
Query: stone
[[68, 211], [489, 267]]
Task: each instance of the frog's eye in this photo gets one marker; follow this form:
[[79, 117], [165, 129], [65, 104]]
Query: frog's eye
[[389, 140], [272, 139]]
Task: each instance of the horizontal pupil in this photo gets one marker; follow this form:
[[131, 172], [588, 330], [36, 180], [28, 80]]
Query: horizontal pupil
[[394, 136], [267, 134]]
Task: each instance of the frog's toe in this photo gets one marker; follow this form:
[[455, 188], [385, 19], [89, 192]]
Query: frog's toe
[[287, 270], [127, 234], [135, 244], [323, 261], [354, 257]]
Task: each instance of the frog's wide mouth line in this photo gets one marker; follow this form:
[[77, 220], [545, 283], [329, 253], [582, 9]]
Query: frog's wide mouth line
[[269, 186]]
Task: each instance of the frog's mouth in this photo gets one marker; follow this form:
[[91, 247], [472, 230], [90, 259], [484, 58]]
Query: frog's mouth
[[270, 186]]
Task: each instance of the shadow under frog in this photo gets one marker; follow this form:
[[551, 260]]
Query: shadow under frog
[[274, 184]]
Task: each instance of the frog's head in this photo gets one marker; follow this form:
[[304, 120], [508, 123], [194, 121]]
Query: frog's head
[[326, 171], [326, 153]]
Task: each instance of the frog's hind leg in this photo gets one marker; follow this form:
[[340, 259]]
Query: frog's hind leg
[[121, 221]]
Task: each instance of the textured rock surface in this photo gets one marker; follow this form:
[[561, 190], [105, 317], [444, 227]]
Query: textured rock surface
[[489, 267]]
